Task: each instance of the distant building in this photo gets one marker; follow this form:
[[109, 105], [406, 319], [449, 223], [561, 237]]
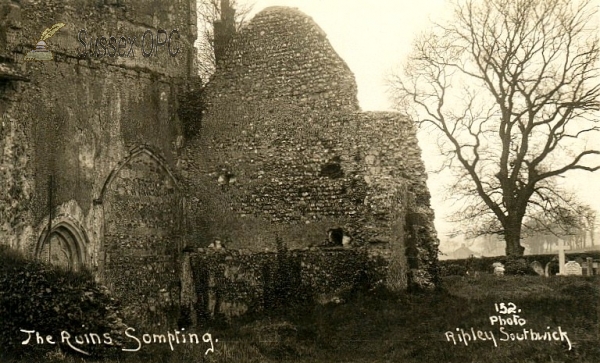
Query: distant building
[[463, 252]]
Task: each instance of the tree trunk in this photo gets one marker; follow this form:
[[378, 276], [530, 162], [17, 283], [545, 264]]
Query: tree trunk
[[512, 236]]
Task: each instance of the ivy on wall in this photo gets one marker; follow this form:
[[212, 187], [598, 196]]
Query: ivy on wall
[[191, 106]]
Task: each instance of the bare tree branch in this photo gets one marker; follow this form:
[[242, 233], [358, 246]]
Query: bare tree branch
[[209, 11], [512, 87]]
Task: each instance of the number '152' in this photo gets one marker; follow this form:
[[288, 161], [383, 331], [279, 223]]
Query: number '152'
[[508, 308]]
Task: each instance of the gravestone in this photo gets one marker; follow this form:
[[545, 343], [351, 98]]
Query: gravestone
[[561, 257], [572, 268], [498, 268], [589, 266], [538, 268]]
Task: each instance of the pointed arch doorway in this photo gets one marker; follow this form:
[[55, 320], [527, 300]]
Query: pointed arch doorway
[[142, 212], [66, 246]]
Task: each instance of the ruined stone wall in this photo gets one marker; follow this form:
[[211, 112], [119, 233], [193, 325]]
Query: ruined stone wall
[[101, 125], [284, 55], [233, 282], [287, 161], [298, 166]]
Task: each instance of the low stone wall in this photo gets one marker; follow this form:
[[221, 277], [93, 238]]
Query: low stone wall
[[234, 282]]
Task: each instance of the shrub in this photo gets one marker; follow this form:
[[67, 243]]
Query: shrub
[[518, 266], [49, 300], [453, 269]]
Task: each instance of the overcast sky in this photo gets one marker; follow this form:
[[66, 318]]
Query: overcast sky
[[374, 37], [371, 36]]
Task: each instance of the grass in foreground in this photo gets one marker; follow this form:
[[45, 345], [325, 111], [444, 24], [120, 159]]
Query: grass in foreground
[[412, 327]]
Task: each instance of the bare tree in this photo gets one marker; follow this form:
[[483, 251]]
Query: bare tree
[[209, 12], [512, 87]]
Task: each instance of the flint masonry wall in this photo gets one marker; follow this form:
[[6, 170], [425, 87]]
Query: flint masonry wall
[[284, 150], [106, 129], [285, 55]]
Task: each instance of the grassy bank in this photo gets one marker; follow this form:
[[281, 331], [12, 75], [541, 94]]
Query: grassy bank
[[412, 327]]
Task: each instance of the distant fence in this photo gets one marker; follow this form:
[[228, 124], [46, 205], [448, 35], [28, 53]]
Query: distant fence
[[484, 264], [234, 282]]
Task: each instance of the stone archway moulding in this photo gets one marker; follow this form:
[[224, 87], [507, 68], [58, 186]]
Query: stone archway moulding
[[73, 233], [143, 149]]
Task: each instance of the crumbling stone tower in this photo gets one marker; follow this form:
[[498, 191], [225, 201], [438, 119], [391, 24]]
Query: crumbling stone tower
[[285, 150]]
